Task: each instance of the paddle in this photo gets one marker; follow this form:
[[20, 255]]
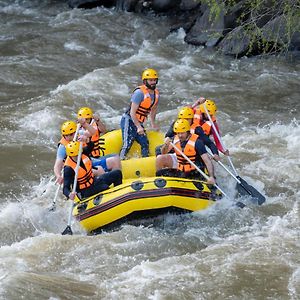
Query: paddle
[[197, 168], [68, 229], [243, 187], [49, 182], [53, 207]]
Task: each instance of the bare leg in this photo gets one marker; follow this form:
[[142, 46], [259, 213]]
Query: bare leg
[[113, 163], [164, 161]]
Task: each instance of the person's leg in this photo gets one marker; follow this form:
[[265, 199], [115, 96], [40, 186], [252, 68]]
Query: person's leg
[[112, 177], [164, 161], [113, 163], [128, 135], [143, 141]]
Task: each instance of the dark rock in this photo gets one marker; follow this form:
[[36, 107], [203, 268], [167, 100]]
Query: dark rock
[[206, 32], [160, 6], [295, 42], [236, 43], [91, 3], [187, 5], [127, 5], [185, 20], [275, 31]]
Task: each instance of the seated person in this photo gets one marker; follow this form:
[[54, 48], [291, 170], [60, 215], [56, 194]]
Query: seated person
[[170, 160], [94, 129], [87, 183], [192, 146]]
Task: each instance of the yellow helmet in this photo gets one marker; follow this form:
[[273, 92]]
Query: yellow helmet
[[186, 113], [72, 148], [211, 107], [149, 74], [181, 125], [68, 127], [85, 112]]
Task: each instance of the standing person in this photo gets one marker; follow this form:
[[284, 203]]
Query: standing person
[[87, 183], [68, 130], [144, 102], [192, 146], [97, 127]]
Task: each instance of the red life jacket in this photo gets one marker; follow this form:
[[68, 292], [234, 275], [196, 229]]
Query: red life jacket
[[189, 150], [85, 175], [146, 105]]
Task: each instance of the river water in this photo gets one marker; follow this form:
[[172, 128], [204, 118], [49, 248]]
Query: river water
[[53, 61]]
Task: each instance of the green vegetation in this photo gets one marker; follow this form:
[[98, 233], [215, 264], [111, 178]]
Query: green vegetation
[[281, 16]]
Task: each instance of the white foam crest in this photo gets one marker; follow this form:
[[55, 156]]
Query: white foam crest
[[93, 85], [40, 122], [10, 214], [269, 152], [177, 36], [145, 54], [73, 46], [147, 273], [294, 284], [16, 9]]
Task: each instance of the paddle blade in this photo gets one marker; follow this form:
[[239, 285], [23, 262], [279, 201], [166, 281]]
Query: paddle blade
[[68, 231], [245, 189], [52, 208]]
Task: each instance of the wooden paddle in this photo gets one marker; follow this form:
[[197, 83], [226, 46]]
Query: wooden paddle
[[68, 229], [243, 187]]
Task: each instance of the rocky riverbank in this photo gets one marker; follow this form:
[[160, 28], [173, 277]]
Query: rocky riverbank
[[237, 29]]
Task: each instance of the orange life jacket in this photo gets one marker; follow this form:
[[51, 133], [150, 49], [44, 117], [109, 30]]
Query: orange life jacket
[[206, 126], [146, 105], [95, 138], [63, 141], [189, 150], [85, 175], [193, 128], [198, 118]]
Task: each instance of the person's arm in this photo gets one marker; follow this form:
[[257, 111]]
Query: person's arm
[[170, 133], [152, 116], [199, 101], [201, 151], [69, 176], [216, 139], [100, 124], [59, 163], [207, 142], [166, 147], [209, 167], [58, 166], [88, 127]]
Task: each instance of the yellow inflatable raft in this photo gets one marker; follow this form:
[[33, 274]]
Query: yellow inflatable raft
[[138, 199], [111, 143], [141, 194]]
